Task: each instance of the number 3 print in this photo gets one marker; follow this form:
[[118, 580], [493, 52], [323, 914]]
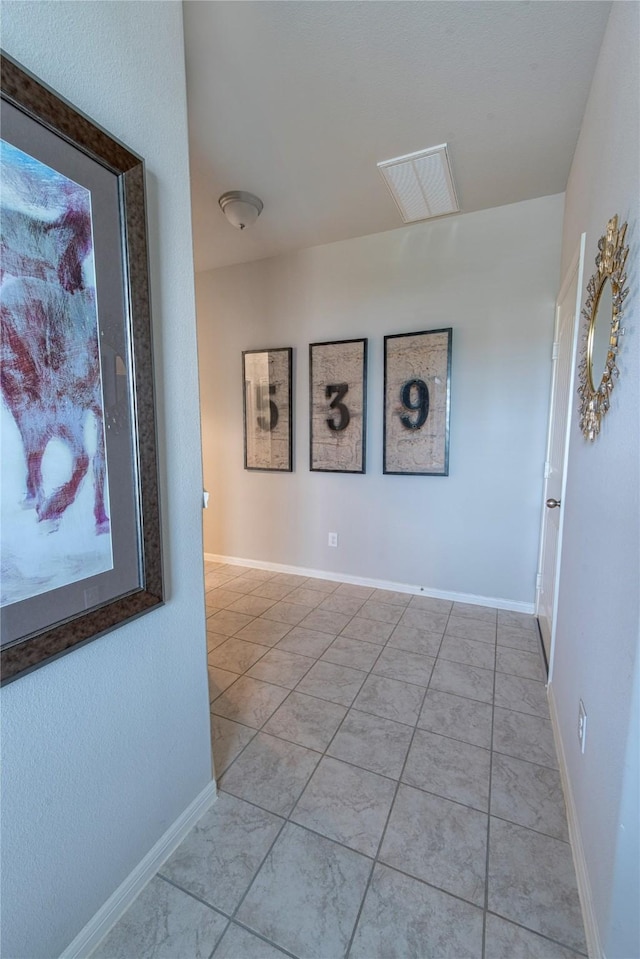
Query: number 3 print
[[341, 390]]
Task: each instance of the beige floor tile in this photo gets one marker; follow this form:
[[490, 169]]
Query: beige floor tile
[[337, 684], [264, 632], [270, 773], [307, 721], [345, 803], [236, 655], [281, 667], [249, 701], [318, 688], [219, 680], [307, 894], [228, 741]]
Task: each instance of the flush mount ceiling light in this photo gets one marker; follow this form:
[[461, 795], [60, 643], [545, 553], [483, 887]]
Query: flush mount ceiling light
[[421, 184], [240, 208]]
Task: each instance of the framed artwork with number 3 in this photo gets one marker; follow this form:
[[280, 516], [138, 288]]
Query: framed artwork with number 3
[[266, 376], [417, 395], [337, 403]]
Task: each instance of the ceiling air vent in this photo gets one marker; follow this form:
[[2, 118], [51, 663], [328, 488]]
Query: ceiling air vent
[[421, 184]]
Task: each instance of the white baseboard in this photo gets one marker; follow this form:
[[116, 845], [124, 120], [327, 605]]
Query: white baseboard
[[117, 904], [471, 598], [592, 933]]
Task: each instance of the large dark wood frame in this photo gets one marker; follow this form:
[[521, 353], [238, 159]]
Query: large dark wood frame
[[39, 103]]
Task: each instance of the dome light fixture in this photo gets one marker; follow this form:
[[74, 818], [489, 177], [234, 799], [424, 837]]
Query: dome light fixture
[[240, 208]]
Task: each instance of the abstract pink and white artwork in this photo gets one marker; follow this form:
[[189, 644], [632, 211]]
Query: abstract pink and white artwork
[[55, 499]]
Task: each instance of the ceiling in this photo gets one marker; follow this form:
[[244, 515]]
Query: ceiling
[[298, 101]]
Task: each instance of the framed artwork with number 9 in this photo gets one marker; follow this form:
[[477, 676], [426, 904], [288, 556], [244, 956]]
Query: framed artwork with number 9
[[417, 392], [266, 378], [337, 403]]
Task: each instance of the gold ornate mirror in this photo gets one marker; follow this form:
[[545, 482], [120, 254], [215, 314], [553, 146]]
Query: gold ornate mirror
[[606, 292]]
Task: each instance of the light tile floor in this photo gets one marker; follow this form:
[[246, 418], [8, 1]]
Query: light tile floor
[[388, 786]]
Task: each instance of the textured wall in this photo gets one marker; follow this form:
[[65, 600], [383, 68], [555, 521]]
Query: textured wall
[[493, 277], [103, 749], [598, 627]]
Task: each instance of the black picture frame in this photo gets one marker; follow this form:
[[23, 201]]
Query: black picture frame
[[338, 406], [267, 405], [417, 403], [43, 626]]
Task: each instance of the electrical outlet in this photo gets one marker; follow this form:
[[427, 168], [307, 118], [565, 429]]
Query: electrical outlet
[[333, 539], [582, 726]]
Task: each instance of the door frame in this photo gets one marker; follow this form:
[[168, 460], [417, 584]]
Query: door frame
[[576, 266]]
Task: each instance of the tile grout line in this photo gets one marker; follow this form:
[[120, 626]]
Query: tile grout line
[[322, 753], [392, 803], [415, 727], [260, 865], [258, 935], [422, 789], [360, 709], [341, 723], [374, 860], [348, 708], [197, 898], [360, 669], [487, 853], [287, 819], [384, 676], [364, 855], [260, 728], [284, 820], [556, 942], [381, 647]]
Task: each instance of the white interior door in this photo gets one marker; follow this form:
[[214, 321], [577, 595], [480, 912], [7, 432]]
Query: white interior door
[[562, 388]]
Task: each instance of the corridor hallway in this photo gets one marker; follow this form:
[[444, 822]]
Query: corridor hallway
[[388, 786]]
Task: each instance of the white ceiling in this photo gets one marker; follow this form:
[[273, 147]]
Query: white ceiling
[[297, 102]]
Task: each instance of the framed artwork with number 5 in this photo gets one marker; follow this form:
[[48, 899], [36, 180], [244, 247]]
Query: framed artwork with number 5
[[266, 376], [417, 397], [337, 403]]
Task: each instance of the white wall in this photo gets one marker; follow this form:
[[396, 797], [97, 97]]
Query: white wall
[[103, 749], [598, 616], [492, 276]]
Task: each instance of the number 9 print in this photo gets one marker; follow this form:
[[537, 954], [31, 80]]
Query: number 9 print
[[419, 390]]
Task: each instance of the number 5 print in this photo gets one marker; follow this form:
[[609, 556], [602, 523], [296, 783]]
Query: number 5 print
[[262, 392]]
